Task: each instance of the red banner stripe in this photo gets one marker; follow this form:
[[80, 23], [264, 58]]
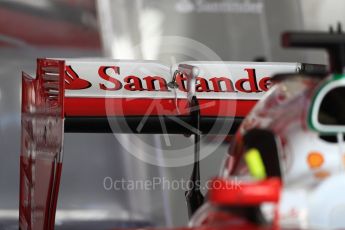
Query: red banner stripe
[[153, 107]]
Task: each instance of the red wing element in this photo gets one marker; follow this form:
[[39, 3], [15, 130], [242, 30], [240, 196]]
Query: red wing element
[[41, 145]]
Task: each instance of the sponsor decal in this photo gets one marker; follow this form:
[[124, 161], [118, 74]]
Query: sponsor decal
[[73, 81], [219, 6], [249, 83]]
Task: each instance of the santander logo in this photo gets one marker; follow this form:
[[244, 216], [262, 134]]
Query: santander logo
[[249, 83], [73, 81]]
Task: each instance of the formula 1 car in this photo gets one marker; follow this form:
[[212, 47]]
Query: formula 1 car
[[90, 95], [83, 95], [287, 160]]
